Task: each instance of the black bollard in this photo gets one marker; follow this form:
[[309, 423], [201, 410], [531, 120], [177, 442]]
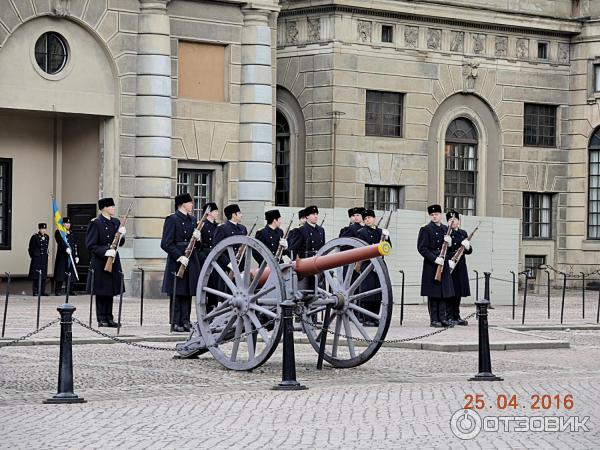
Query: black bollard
[[172, 302], [582, 295], [548, 289], [486, 287], [525, 297], [476, 284], [65, 367], [6, 302], [514, 293], [288, 370], [323, 340], [39, 303], [562, 304], [68, 287], [91, 295], [402, 299], [485, 361], [122, 277], [142, 298], [597, 311]]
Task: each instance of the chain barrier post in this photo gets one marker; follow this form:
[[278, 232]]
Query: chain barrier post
[[68, 287], [402, 299], [172, 302], [514, 293], [323, 340], [65, 392], [39, 302], [122, 286], [548, 288], [597, 311], [142, 298], [6, 302], [582, 295], [486, 287], [485, 361], [562, 304], [476, 284], [288, 369], [525, 297], [91, 295]]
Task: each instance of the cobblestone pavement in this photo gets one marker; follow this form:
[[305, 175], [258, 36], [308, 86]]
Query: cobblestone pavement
[[400, 399]]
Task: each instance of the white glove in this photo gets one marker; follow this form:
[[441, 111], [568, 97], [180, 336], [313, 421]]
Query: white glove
[[183, 260], [110, 253], [466, 244], [286, 259], [77, 260], [439, 261], [452, 264], [69, 251], [122, 231], [448, 240], [196, 234], [385, 232], [283, 243], [229, 266]]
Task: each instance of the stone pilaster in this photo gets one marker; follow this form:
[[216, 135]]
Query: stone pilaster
[[256, 115]]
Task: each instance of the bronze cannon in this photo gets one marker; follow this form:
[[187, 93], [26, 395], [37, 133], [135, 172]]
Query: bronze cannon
[[244, 329]]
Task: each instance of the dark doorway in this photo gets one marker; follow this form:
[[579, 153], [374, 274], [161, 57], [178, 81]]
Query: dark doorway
[[81, 215]]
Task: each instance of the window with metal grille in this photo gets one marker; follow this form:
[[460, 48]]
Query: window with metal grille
[[537, 215], [386, 198], [387, 33], [51, 52], [384, 114], [539, 125], [460, 181], [282, 162], [542, 52], [594, 187], [5, 199], [199, 184], [533, 263]]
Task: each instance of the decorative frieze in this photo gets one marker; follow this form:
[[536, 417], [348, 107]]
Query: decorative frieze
[[523, 48], [563, 52], [292, 33], [501, 47], [411, 36], [457, 41], [479, 43], [364, 30], [314, 29], [434, 39]]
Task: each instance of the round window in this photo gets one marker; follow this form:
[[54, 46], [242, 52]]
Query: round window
[[51, 52]]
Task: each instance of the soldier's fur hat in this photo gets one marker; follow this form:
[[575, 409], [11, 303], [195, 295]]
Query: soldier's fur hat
[[105, 202], [311, 210], [230, 210], [302, 214], [211, 205], [434, 209], [369, 212], [272, 215], [452, 214], [183, 198], [42, 226]]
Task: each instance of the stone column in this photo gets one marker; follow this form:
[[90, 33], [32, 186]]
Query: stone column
[[153, 129], [255, 185]]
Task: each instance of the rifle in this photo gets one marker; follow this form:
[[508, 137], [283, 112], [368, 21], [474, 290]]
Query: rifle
[[387, 224], [115, 243], [279, 252], [323, 221], [190, 247], [440, 269], [459, 253], [240, 252]]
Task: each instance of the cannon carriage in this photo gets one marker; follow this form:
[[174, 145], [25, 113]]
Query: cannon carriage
[[244, 329]]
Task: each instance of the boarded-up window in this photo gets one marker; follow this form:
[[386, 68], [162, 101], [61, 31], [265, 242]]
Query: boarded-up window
[[202, 71]]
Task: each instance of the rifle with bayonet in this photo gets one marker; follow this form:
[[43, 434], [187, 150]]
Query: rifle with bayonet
[[280, 249], [459, 253], [323, 221], [440, 269], [192, 244], [240, 252], [115, 243], [387, 224]]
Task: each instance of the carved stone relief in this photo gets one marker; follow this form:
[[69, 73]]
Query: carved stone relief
[[292, 33], [457, 43], [563, 52], [411, 36], [522, 48], [478, 44], [471, 72], [434, 39], [314, 29], [501, 46], [364, 30], [60, 8]]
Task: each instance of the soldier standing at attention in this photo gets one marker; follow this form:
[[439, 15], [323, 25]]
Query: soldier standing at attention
[[301, 221], [178, 230], [460, 273], [38, 252], [98, 240], [208, 232], [271, 235], [232, 227], [356, 216], [308, 238], [429, 244], [63, 263]]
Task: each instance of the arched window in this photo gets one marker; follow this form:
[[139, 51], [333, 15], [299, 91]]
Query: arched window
[[594, 187], [461, 166], [282, 162]]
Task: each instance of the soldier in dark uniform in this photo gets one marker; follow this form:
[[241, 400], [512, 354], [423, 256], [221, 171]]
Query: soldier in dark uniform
[[310, 237], [98, 240], [356, 216], [63, 263], [178, 229], [271, 235], [38, 252], [231, 227], [429, 244], [460, 274], [301, 221], [209, 229], [371, 234]]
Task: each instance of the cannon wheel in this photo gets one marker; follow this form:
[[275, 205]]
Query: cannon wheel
[[342, 291], [233, 331]]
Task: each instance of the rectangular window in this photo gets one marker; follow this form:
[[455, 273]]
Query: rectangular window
[[387, 33], [594, 195], [384, 114], [539, 126], [202, 71], [461, 177], [199, 183], [542, 52], [537, 216], [596, 77], [5, 199], [386, 198], [533, 263]]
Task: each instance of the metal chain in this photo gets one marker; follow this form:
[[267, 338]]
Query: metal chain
[[383, 341], [28, 335]]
